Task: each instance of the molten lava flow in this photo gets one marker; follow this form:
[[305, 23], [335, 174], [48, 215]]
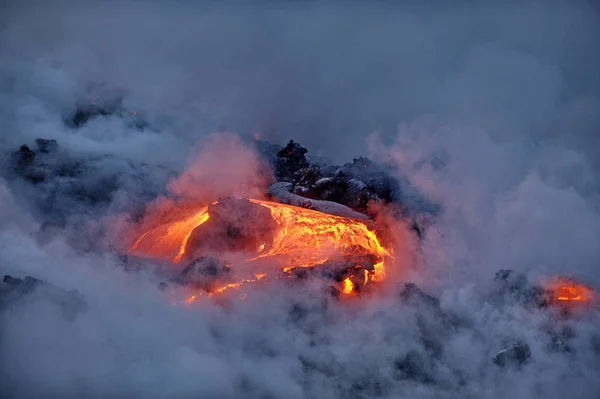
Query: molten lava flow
[[306, 238], [574, 293], [219, 290], [570, 291], [347, 286], [302, 238], [168, 241]]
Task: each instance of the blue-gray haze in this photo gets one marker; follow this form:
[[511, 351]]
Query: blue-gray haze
[[504, 96]]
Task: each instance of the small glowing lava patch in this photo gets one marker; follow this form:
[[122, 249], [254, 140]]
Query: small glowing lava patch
[[567, 290]]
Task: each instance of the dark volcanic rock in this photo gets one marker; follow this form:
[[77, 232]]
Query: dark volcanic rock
[[517, 354], [312, 309], [46, 146], [85, 112], [414, 368], [559, 344], [352, 267], [203, 272], [235, 225], [71, 303], [65, 184], [412, 294], [304, 181], [355, 185], [23, 157], [25, 163], [38, 167], [112, 107], [348, 267], [22, 286], [511, 281], [334, 185], [435, 325], [289, 161], [515, 286]]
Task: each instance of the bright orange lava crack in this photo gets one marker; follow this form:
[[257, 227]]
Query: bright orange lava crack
[[303, 238]]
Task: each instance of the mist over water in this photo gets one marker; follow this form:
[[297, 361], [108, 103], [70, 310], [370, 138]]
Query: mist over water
[[491, 111]]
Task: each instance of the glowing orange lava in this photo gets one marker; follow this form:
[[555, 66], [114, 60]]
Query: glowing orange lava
[[190, 299], [570, 291], [306, 238], [168, 241], [574, 293], [347, 286], [302, 238]]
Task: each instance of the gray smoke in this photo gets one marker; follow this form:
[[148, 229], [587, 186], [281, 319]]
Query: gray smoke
[[490, 110]]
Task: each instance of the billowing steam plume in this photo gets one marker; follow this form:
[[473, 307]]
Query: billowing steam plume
[[480, 125]]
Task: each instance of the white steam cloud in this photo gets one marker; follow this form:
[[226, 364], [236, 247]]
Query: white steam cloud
[[490, 110]]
